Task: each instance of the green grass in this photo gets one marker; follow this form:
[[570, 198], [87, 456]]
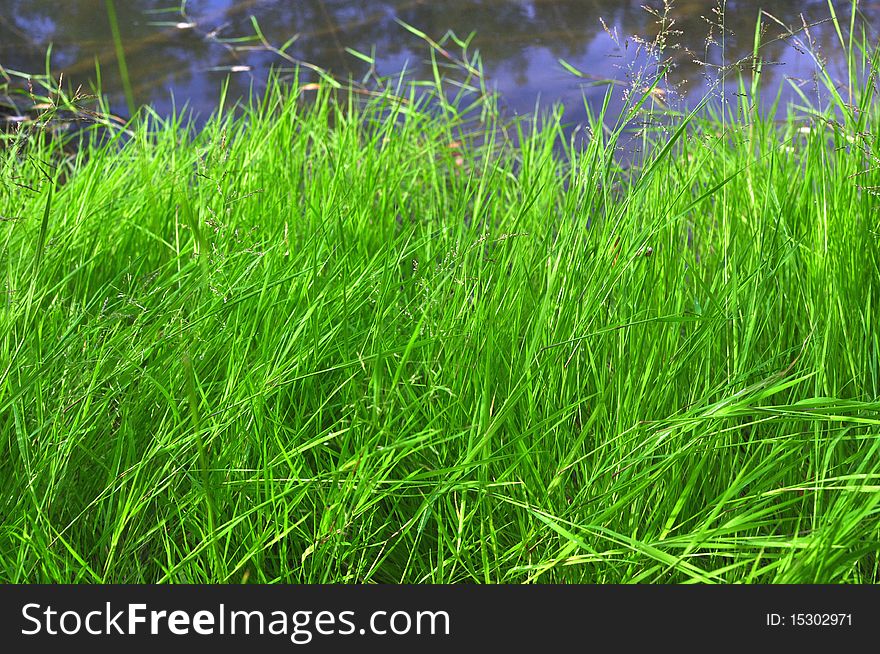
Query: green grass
[[305, 344]]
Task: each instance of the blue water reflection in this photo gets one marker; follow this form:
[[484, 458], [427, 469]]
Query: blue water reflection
[[185, 54]]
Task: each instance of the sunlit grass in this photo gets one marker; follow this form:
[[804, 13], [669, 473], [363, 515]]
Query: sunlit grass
[[358, 343]]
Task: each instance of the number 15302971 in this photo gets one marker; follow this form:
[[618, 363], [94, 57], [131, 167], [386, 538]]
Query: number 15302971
[[809, 620]]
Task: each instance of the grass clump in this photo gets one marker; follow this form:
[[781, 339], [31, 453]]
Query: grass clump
[[365, 342]]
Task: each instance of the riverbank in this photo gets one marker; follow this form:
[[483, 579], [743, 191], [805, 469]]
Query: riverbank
[[373, 343]]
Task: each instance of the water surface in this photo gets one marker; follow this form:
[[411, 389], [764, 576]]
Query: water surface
[[176, 55]]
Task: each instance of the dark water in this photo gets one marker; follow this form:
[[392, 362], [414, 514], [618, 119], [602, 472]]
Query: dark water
[[185, 54]]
